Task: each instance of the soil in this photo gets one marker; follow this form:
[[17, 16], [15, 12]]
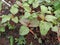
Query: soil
[[49, 39]]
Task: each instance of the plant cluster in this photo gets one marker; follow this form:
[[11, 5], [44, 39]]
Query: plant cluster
[[47, 17]]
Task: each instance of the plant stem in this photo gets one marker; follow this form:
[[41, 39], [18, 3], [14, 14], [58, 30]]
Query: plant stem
[[6, 3]]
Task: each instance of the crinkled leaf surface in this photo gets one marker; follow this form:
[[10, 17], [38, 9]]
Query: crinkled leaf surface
[[10, 26], [57, 4], [44, 9], [30, 1], [55, 28], [15, 19], [34, 23], [57, 13], [25, 4], [24, 30], [44, 27], [35, 4], [15, 5], [50, 18], [5, 18], [27, 8], [34, 15], [14, 10], [50, 8], [26, 15]]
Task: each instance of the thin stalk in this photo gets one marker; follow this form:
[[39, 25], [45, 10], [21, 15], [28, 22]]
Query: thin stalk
[[6, 3]]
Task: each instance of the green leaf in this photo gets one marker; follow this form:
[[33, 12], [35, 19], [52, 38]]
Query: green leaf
[[11, 40], [34, 15], [24, 21], [15, 5], [19, 3], [48, 1], [15, 19], [44, 9], [55, 28], [14, 10], [50, 18], [25, 4], [24, 30], [0, 5], [10, 26], [5, 18], [2, 29], [57, 4], [26, 15], [57, 13], [30, 1], [34, 23], [50, 8], [44, 27], [21, 40], [27, 8], [35, 4]]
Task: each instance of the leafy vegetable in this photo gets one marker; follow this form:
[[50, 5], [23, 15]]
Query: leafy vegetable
[[44, 9], [15, 5], [14, 9], [39, 14], [34, 15], [5, 18], [25, 4], [35, 4], [24, 30], [27, 15], [55, 28], [30, 1], [10, 26], [15, 19], [42, 16], [21, 40], [50, 18], [26, 7], [11, 40], [56, 4], [2, 29], [50, 8], [57, 13], [44, 27], [34, 23], [24, 21]]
